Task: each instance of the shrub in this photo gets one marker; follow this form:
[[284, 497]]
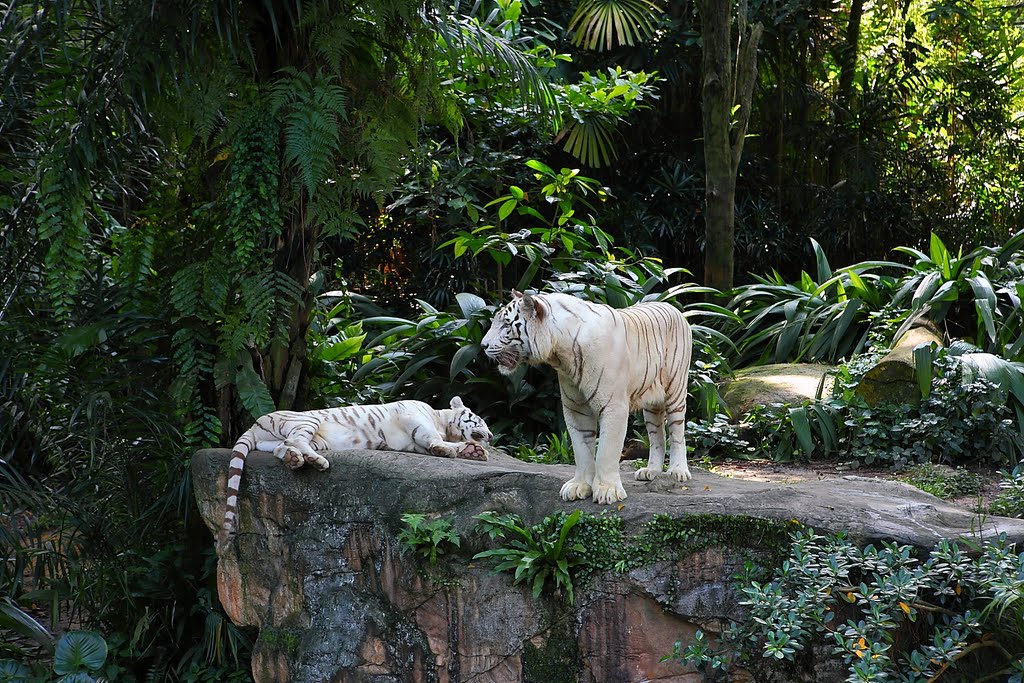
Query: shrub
[[888, 614]]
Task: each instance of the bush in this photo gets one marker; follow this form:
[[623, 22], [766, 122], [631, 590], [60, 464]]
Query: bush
[[888, 614]]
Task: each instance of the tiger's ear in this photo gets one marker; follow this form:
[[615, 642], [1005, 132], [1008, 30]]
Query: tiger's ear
[[456, 403], [516, 294], [534, 307]]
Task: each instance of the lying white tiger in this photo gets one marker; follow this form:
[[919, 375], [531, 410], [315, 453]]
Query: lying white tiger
[[412, 426], [608, 362]]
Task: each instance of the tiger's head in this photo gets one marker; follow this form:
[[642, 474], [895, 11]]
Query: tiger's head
[[465, 425], [508, 340]]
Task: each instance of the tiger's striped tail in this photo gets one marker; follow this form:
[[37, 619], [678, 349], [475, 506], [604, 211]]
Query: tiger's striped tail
[[238, 454]]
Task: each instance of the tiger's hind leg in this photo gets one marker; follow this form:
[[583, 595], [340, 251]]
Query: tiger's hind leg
[[296, 453], [289, 454], [655, 422], [296, 449], [310, 456]]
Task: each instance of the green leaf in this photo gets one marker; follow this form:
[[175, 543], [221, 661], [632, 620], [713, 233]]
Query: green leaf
[[79, 650], [470, 303], [925, 289], [505, 209], [14, 618], [538, 584], [924, 356], [540, 167], [13, 672], [252, 392], [567, 526], [343, 349], [802, 427], [463, 357], [940, 255], [824, 270], [827, 426], [77, 677]]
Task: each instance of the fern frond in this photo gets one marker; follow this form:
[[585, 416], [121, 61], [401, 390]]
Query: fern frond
[[61, 221], [313, 108]]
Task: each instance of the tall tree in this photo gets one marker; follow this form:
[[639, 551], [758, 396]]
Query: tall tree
[[728, 91]]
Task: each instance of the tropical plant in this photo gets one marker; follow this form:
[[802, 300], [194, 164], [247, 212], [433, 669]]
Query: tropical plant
[[783, 432], [77, 657], [977, 293], [555, 449], [822, 318], [595, 106], [604, 24], [427, 538], [535, 553]]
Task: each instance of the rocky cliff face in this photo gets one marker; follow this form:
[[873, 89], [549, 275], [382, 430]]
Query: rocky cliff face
[[317, 567]]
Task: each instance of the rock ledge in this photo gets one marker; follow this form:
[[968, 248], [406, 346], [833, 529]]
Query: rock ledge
[[318, 569]]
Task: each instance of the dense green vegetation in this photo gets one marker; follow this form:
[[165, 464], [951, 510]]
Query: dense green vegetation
[[210, 210], [888, 612]]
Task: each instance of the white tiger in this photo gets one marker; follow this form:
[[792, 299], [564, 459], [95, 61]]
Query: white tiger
[[296, 438], [609, 362]]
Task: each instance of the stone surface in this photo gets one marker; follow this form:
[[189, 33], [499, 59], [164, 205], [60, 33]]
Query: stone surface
[[317, 567], [790, 383]]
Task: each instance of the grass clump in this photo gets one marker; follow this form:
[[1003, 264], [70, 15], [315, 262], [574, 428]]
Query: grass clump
[[943, 482]]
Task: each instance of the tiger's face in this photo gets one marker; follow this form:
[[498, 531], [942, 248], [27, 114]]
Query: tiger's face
[[506, 342], [465, 425]]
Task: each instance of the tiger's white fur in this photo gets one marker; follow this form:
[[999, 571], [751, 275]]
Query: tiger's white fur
[[609, 362], [296, 438]]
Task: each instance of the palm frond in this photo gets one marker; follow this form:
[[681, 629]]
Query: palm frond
[[604, 24], [462, 34]]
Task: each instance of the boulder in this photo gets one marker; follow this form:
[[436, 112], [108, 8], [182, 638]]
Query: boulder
[[318, 568], [789, 383]]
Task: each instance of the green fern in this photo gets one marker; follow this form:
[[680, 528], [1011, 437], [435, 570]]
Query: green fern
[[313, 108], [61, 222]]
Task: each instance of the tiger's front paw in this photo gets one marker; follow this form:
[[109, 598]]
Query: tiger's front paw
[[681, 473], [472, 451], [575, 490], [605, 494], [647, 473]]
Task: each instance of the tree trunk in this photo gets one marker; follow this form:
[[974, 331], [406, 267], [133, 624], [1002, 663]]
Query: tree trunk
[[847, 59], [288, 375], [723, 144], [893, 379]]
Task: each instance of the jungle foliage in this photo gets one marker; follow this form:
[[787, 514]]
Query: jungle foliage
[[209, 210]]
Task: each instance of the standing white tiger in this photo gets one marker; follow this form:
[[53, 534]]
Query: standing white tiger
[[609, 362], [296, 438]]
